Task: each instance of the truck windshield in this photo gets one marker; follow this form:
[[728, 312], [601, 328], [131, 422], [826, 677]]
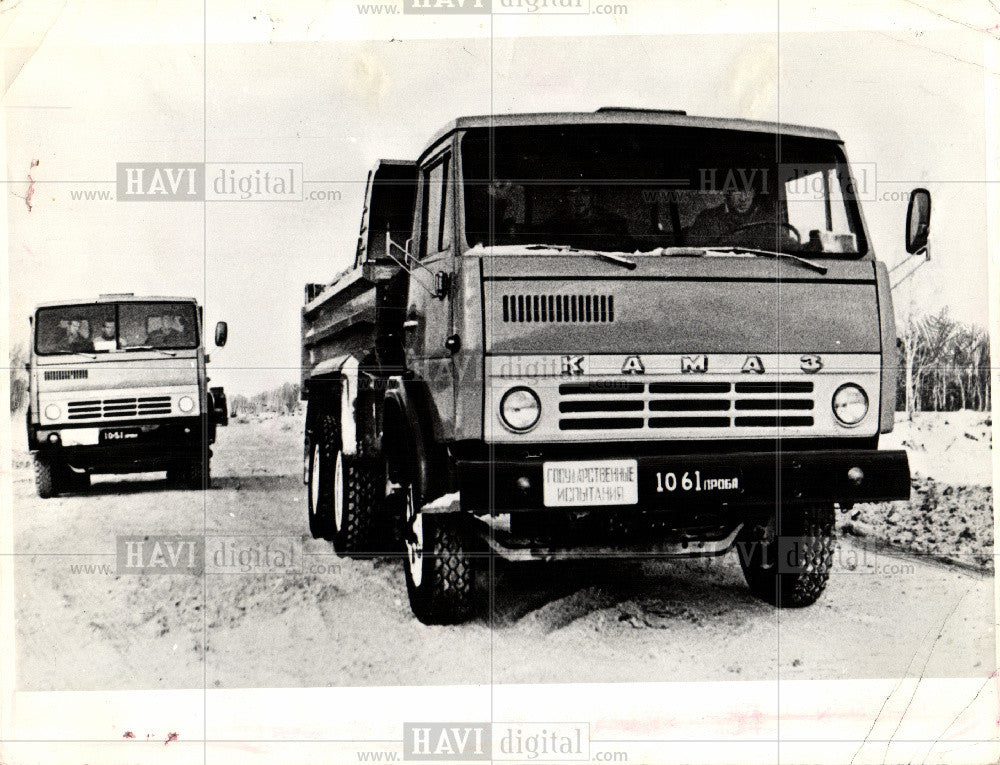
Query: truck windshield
[[629, 188], [104, 327]]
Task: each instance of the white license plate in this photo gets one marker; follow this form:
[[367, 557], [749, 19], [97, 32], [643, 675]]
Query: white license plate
[[590, 483], [79, 436]]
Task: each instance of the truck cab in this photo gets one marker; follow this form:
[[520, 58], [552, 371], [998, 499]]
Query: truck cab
[[624, 332], [119, 385]]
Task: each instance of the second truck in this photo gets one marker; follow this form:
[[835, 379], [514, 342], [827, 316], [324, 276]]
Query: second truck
[[120, 385]]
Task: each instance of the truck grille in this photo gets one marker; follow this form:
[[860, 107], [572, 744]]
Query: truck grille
[[110, 408], [626, 405], [558, 309]]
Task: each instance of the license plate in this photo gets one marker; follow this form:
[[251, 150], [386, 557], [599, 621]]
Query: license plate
[[119, 435], [697, 481], [590, 483]]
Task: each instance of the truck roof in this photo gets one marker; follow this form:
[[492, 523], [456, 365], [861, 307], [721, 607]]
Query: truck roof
[[630, 116], [119, 298]]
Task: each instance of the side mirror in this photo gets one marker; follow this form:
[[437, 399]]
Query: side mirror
[[918, 221], [221, 333]]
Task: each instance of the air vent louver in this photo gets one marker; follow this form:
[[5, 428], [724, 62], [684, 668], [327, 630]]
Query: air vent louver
[[558, 309], [66, 374]]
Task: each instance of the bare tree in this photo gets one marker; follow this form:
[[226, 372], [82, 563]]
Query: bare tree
[[18, 377], [281, 400], [946, 365]]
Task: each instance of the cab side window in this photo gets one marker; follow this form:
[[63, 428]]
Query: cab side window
[[435, 226]]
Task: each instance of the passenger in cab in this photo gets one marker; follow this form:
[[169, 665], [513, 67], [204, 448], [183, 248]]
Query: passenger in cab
[[586, 225]]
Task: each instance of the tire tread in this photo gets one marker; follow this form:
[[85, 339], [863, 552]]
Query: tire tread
[[46, 477], [447, 593], [815, 526]]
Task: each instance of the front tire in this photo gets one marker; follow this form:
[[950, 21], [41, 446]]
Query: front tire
[[792, 567], [440, 575], [47, 477]]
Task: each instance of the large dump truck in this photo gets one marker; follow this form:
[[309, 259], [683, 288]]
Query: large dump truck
[[630, 333]]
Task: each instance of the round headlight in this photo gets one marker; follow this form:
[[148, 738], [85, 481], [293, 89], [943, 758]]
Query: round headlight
[[850, 404], [520, 409], [52, 412], [185, 403]]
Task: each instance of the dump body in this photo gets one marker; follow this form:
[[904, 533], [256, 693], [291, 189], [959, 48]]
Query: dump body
[[339, 321]]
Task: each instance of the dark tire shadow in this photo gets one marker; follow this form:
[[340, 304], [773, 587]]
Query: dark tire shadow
[[555, 595], [116, 485]]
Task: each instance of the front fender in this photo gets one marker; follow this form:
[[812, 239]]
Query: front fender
[[408, 435]]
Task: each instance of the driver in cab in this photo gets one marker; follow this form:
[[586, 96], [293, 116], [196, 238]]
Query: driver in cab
[[168, 332], [745, 218]]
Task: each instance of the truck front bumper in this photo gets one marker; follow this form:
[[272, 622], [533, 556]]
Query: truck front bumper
[[665, 483], [123, 445]]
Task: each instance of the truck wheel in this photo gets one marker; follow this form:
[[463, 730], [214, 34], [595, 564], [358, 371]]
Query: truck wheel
[[74, 481], [47, 475], [805, 543], [320, 481], [192, 474], [174, 475], [354, 484], [342, 492], [440, 577]]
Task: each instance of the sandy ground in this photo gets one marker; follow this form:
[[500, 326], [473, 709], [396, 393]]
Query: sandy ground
[[80, 625]]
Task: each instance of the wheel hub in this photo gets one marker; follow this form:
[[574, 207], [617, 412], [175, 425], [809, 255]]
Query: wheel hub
[[338, 491], [414, 539], [314, 478]]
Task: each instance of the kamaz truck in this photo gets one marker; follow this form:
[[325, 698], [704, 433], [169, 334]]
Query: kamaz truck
[[119, 385], [620, 333]]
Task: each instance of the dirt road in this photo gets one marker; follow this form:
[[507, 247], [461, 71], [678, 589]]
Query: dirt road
[[81, 625]]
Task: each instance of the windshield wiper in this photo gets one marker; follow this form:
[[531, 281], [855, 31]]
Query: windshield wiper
[[72, 353], [608, 256], [770, 254], [171, 354]]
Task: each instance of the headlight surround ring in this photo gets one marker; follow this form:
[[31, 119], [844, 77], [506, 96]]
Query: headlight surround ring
[[520, 409], [850, 405]]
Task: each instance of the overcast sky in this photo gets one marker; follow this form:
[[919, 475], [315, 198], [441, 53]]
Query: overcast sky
[[916, 111]]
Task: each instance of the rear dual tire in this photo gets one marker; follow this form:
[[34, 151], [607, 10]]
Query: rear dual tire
[[342, 491]]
